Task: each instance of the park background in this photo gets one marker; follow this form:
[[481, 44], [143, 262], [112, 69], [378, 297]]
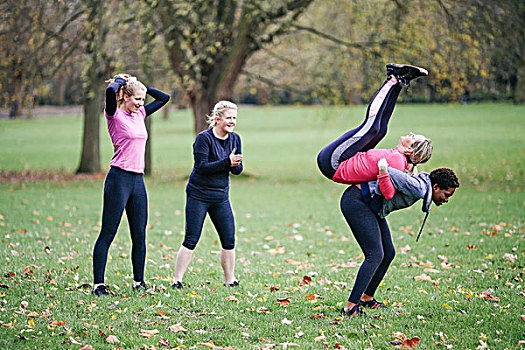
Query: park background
[[302, 72]]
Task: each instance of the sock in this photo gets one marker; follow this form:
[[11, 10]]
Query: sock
[[136, 284]]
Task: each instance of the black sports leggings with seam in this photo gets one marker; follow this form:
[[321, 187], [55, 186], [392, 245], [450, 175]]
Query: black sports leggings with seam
[[221, 215], [364, 137], [373, 236], [122, 190]]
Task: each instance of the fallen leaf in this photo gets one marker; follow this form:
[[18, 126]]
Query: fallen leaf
[[148, 332], [313, 297], [286, 321], [293, 262], [424, 277], [488, 295], [410, 343], [87, 347], [112, 339], [177, 328], [277, 250], [232, 298], [305, 281], [320, 338], [284, 301]]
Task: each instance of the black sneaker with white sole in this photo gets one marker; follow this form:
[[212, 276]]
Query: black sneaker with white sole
[[404, 73], [100, 290]]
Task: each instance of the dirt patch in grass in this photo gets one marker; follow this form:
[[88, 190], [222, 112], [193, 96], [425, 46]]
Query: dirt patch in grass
[[46, 175]]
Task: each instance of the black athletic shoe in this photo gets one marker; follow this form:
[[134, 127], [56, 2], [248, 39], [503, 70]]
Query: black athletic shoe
[[233, 284], [177, 285], [141, 287], [355, 311], [404, 73], [100, 290], [372, 304]]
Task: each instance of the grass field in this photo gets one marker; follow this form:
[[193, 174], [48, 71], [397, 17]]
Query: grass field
[[460, 287]]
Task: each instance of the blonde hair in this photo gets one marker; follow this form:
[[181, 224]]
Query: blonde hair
[[219, 111], [422, 150], [129, 89]]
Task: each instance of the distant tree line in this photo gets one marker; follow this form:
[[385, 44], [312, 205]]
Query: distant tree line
[[255, 51]]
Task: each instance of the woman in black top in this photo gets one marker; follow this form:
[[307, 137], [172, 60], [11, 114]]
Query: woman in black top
[[217, 153]]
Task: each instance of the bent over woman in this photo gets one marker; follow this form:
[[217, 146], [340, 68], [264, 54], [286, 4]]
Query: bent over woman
[[217, 153], [124, 187]]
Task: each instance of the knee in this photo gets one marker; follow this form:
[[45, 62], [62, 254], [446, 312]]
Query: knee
[[375, 257], [230, 245], [189, 244], [389, 255]]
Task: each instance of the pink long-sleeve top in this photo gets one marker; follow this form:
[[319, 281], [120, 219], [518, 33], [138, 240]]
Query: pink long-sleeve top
[[128, 133], [363, 167]]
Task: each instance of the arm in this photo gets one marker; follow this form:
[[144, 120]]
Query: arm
[[385, 184], [414, 185], [201, 151], [160, 100], [111, 95], [237, 169]]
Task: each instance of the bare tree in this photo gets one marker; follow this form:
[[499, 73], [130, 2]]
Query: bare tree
[[209, 41]]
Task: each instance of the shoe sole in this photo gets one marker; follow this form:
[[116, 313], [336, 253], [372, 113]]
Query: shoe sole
[[397, 65]]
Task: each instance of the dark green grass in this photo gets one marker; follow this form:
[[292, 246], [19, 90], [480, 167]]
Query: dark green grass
[[54, 224]]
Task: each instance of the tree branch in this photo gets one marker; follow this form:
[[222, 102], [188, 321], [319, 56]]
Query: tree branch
[[361, 45], [271, 82]]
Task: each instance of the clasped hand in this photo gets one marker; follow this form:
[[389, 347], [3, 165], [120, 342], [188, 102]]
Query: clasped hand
[[382, 164], [235, 159]]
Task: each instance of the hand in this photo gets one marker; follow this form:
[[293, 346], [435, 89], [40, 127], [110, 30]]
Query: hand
[[382, 164], [235, 159]]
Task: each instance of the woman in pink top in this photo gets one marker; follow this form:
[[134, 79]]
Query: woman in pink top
[[352, 157], [124, 186]]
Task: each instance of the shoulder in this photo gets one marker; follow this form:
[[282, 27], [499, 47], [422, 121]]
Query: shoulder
[[142, 111], [204, 136], [235, 136]]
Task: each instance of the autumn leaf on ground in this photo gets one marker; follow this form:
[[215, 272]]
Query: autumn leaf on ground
[[286, 321], [405, 248], [410, 343], [28, 270], [87, 347], [33, 314], [232, 298], [313, 297], [148, 332], [274, 288], [305, 281], [318, 316], [488, 295], [177, 328], [424, 277], [112, 339], [320, 338], [57, 323], [284, 301], [277, 250], [293, 262]]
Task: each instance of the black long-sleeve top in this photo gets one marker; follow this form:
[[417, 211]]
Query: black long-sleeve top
[[111, 98], [210, 179]]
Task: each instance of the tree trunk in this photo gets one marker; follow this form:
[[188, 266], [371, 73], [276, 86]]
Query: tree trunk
[[96, 70], [201, 104]]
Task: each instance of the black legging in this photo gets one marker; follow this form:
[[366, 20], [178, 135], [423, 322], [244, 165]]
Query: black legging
[[122, 190], [364, 137], [373, 236], [220, 214]]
